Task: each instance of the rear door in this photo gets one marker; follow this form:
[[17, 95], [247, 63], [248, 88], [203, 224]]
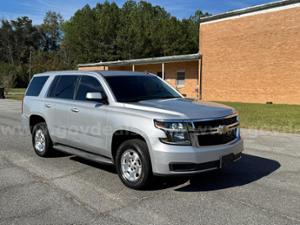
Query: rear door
[[48, 105], [60, 97], [88, 119]]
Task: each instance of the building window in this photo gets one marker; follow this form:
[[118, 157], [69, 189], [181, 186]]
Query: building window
[[180, 79]]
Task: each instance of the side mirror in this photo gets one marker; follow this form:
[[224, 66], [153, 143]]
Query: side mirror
[[94, 96]]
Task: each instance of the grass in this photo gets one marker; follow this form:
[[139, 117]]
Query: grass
[[282, 118], [15, 93], [271, 117]]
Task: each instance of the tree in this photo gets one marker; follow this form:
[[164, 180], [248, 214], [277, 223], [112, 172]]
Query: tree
[[139, 33], [191, 27], [107, 24], [81, 36], [7, 75], [18, 39], [25, 38], [105, 32], [196, 18], [6, 42], [49, 61], [51, 31], [136, 30]]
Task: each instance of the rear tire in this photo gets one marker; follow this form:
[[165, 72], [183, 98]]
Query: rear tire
[[41, 140], [133, 164]]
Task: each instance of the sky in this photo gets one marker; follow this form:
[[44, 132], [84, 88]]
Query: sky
[[36, 9]]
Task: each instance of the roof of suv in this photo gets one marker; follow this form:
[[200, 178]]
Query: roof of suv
[[120, 73], [102, 73]]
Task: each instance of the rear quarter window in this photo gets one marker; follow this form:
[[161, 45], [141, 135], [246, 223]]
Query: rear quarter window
[[36, 85]]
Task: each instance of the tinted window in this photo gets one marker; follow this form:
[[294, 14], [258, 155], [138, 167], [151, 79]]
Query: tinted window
[[88, 84], [65, 87], [36, 85], [138, 88]]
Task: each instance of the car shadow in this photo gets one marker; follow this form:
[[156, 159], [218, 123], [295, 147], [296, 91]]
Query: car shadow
[[247, 170], [58, 154], [158, 183], [100, 166]]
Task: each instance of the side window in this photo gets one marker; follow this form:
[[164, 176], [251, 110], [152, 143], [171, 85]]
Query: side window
[[88, 84], [180, 79], [63, 87], [51, 91], [36, 85]]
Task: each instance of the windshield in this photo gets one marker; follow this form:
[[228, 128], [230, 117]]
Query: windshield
[[138, 88]]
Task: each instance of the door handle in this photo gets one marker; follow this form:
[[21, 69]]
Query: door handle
[[48, 105], [74, 109]]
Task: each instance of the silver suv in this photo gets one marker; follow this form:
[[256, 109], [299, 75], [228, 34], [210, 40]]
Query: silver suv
[[133, 120]]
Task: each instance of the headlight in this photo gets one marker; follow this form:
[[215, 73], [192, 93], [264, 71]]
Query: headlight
[[176, 132]]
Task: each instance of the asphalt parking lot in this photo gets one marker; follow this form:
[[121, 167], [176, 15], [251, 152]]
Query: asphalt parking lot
[[262, 188]]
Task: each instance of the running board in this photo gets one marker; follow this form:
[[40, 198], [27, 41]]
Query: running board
[[83, 154]]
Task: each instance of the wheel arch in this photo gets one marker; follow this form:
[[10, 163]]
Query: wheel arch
[[35, 119], [121, 135]]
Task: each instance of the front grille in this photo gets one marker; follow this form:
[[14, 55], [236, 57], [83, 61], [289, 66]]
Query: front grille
[[216, 139], [216, 132]]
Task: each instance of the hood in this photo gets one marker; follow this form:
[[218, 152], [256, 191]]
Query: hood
[[183, 108]]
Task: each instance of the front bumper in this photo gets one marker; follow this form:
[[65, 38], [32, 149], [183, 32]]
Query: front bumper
[[185, 160]]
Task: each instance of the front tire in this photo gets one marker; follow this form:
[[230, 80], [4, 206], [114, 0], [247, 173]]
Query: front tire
[[41, 140], [133, 164]]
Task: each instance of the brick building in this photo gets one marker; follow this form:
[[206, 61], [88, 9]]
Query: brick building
[[247, 55], [182, 72]]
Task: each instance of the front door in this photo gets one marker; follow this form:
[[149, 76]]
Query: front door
[[87, 122]]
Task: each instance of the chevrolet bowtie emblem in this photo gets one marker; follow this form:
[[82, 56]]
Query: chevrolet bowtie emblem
[[222, 129]]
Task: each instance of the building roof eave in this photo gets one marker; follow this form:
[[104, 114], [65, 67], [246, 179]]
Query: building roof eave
[[154, 60], [248, 10]]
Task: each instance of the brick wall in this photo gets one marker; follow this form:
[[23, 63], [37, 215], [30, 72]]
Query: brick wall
[[151, 68], [91, 68], [125, 68], [171, 69], [191, 77], [253, 58]]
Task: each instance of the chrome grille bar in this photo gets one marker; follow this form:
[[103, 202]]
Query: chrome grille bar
[[217, 130]]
